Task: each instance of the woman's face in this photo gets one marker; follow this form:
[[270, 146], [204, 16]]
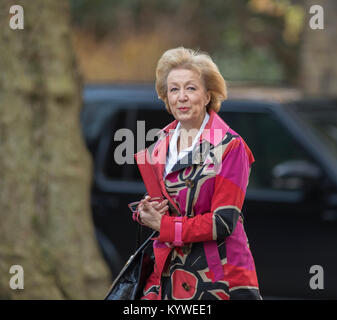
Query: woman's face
[[187, 97]]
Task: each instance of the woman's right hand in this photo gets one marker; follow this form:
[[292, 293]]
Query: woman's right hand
[[150, 212]]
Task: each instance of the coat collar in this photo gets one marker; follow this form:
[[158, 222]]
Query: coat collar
[[214, 131]]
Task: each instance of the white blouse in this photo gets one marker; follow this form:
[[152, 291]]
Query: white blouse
[[173, 157]]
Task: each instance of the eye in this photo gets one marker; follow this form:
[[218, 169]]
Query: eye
[[173, 89], [190, 88]]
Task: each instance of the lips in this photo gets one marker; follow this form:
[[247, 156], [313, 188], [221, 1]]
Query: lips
[[183, 109]]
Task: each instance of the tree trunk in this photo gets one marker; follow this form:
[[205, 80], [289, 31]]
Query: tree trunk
[[46, 225], [318, 75]]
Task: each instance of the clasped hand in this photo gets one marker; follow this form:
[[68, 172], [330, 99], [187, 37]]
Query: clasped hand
[[151, 212]]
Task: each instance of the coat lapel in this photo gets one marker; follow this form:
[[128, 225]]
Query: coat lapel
[[212, 135], [159, 160]]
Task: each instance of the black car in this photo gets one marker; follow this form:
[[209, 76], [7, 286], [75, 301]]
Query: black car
[[290, 208]]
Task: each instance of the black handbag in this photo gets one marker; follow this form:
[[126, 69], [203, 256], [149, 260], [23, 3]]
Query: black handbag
[[130, 282]]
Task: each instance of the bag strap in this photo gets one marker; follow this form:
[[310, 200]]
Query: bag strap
[[139, 235], [147, 241]]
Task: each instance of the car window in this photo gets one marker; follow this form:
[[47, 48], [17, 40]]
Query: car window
[[140, 121], [119, 121], [322, 120], [270, 143]]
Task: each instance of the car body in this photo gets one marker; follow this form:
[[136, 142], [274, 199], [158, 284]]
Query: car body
[[290, 207]]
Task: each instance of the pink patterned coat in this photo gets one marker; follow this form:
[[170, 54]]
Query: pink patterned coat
[[206, 191]]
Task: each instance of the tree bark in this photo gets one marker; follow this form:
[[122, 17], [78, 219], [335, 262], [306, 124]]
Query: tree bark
[[318, 70], [46, 225]]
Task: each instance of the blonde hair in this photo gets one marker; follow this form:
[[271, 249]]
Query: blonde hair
[[202, 63]]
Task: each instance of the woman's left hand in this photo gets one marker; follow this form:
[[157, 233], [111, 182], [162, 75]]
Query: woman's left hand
[[151, 212]]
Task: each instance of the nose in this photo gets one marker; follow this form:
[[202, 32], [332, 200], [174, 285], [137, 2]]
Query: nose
[[182, 95]]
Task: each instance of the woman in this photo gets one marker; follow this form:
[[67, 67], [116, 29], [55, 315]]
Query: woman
[[203, 167]]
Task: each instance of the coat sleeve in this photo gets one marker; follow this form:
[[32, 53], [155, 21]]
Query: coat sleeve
[[226, 204]]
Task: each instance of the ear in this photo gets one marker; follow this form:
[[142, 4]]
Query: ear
[[208, 97]]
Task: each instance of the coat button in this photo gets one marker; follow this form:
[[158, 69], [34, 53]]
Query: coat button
[[189, 183], [186, 286]]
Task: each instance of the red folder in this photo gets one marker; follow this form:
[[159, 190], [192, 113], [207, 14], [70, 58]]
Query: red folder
[[148, 174]]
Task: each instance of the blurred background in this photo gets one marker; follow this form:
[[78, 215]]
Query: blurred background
[[72, 55], [260, 42]]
